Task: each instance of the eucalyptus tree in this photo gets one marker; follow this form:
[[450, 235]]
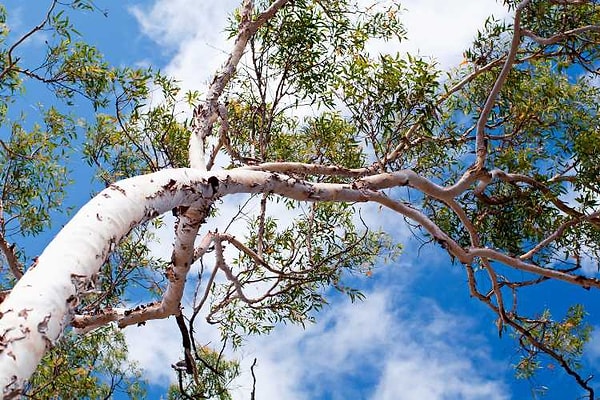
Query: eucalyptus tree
[[495, 161]]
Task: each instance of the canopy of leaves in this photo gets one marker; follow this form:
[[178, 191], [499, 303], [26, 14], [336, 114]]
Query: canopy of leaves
[[310, 97], [92, 366]]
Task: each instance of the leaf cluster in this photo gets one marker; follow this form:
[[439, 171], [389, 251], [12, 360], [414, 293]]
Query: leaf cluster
[[93, 366]]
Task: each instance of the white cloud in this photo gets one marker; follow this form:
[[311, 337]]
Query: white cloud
[[155, 346], [404, 352], [194, 32], [173, 22], [592, 348], [391, 346], [444, 29], [431, 379]]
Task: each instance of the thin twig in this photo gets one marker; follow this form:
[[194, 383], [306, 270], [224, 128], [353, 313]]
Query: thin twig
[[253, 393]]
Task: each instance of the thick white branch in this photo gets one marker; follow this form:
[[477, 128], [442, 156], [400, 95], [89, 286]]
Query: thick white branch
[[40, 306]]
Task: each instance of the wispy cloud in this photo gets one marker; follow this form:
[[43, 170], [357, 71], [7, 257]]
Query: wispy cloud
[[444, 29], [592, 348], [396, 344], [194, 32], [174, 22], [376, 349]]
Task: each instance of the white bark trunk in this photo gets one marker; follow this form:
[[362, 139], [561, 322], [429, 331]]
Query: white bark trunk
[[39, 307]]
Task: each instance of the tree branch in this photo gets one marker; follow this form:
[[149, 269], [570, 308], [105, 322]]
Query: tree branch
[[516, 263], [15, 266], [559, 36], [206, 114], [41, 306], [481, 142], [12, 62]]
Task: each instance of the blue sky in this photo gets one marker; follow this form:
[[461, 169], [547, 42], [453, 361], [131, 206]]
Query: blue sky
[[418, 335]]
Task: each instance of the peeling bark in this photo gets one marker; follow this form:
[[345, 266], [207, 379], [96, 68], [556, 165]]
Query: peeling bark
[[40, 306], [42, 303]]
